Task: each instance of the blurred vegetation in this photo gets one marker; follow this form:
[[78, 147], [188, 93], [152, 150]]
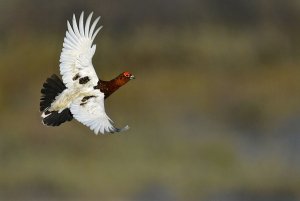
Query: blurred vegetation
[[214, 111]]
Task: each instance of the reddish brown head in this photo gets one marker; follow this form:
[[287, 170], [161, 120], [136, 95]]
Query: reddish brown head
[[124, 77], [127, 75]]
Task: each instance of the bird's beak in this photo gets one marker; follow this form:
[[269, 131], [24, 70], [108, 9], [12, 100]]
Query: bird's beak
[[132, 77]]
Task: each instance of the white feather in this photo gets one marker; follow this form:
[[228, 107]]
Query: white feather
[[78, 51], [87, 25], [93, 27], [81, 29], [92, 113]]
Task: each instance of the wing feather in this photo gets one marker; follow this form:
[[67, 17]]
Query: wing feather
[[96, 32], [71, 39], [75, 27], [87, 25], [71, 32], [92, 114], [78, 51], [81, 30], [93, 26]]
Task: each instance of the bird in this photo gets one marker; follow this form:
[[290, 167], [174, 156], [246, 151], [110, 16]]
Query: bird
[[80, 94]]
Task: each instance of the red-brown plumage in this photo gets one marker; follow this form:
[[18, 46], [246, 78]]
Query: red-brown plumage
[[109, 87]]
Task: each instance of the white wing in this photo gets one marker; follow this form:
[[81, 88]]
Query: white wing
[[77, 53], [90, 111]]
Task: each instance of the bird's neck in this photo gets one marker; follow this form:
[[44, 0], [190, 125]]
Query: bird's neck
[[109, 87]]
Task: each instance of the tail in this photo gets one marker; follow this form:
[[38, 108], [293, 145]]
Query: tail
[[51, 88]]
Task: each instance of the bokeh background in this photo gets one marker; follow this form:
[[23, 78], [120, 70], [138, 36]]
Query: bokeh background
[[214, 111]]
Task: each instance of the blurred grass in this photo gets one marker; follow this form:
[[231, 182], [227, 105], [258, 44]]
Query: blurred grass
[[198, 93]]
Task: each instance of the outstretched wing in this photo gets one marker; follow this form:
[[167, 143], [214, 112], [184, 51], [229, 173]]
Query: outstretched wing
[[78, 51], [90, 111]]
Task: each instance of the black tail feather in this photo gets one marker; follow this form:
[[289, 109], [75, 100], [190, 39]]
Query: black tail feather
[[52, 88], [55, 118]]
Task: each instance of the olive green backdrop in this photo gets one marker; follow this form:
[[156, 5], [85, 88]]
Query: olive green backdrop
[[214, 111]]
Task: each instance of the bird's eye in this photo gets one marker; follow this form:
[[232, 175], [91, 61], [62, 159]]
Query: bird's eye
[[126, 74]]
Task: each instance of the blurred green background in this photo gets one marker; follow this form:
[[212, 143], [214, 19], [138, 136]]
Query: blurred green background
[[214, 111]]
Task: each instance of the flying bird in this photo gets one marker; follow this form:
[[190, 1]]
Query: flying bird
[[80, 94]]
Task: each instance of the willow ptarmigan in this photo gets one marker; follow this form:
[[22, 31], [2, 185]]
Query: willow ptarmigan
[[81, 93]]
